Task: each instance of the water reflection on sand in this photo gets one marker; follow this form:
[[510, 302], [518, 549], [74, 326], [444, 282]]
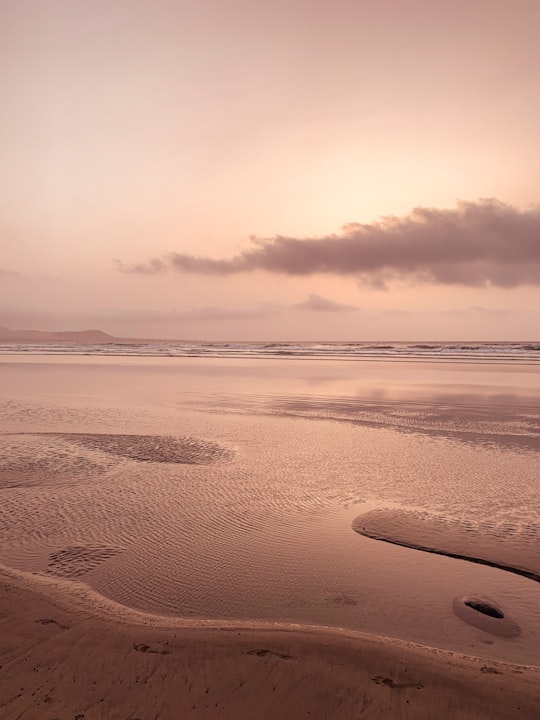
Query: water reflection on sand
[[260, 525]]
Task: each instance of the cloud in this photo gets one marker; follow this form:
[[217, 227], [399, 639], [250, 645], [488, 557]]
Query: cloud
[[316, 303], [9, 273], [472, 310], [476, 244], [34, 319], [209, 313], [216, 313]]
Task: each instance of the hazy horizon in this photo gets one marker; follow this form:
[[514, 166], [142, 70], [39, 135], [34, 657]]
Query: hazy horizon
[[28, 335]]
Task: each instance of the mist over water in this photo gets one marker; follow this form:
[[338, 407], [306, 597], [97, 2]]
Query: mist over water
[[228, 488]]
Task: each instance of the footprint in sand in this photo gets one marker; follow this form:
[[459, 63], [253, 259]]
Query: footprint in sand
[[143, 648], [388, 682], [263, 652], [50, 621]]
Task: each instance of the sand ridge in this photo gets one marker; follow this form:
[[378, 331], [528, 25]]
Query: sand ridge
[[484, 545], [66, 653]]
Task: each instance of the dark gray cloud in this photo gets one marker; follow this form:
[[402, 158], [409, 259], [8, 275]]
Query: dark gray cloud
[[316, 303], [476, 244]]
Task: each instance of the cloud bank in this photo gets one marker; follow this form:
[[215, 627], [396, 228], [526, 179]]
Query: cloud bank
[[317, 303], [476, 244]]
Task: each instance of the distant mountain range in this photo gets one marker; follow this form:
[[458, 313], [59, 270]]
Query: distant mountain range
[[80, 336]]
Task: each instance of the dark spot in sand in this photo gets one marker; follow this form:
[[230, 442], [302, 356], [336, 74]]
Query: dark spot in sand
[[388, 682], [490, 670], [263, 652], [143, 648], [343, 599], [485, 607], [485, 614], [76, 560], [50, 621], [153, 448]]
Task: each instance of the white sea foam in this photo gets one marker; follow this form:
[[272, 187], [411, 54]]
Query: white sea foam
[[479, 352]]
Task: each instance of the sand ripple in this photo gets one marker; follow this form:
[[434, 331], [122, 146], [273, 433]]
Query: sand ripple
[[37, 459], [153, 448], [74, 561]]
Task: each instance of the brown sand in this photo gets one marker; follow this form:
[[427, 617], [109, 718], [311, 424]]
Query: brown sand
[[66, 655]]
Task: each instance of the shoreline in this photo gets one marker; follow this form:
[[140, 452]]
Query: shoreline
[[68, 652]]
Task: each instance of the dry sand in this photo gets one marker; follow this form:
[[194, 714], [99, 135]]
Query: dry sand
[[66, 654]]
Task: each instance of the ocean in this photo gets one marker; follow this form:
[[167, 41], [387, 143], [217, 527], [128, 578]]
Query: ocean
[[523, 352]]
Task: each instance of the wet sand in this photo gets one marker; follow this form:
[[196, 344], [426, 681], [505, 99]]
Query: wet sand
[[67, 654], [194, 524], [484, 544]]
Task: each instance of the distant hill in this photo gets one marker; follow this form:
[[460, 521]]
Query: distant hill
[[80, 336]]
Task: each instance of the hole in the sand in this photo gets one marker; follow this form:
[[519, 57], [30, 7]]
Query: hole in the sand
[[485, 607], [485, 614]]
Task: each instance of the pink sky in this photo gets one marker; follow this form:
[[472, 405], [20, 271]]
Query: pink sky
[[164, 134]]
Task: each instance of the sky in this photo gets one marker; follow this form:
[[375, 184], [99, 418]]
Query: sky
[[300, 169]]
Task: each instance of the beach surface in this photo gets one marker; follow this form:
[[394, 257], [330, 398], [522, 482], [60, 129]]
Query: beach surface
[[67, 654], [204, 537]]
